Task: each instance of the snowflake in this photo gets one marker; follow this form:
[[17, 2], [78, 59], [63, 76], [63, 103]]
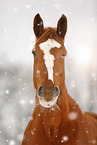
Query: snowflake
[[57, 6], [19, 80], [7, 91], [12, 142], [31, 101], [15, 9], [72, 115], [39, 114], [8, 29], [73, 84], [87, 131], [22, 101], [38, 71], [33, 131], [93, 75], [64, 139], [9, 126], [23, 89], [94, 142], [80, 1], [92, 19], [28, 6]]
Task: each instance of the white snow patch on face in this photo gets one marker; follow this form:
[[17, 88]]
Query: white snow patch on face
[[87, 131], [72, 115], [38, 71], [33, 131], [64, 139], [94, 142], [49, 58]]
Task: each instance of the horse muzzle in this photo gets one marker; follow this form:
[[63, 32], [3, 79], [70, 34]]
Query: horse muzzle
[[48, 95]]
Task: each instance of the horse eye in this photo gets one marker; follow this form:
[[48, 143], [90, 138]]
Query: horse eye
[[63, 55], [55, 91], [34, 53], [41, 91]]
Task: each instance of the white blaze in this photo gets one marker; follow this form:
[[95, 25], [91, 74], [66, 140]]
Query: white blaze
[[49, 58]]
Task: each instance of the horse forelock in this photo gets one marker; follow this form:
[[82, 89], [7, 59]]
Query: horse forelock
[[49, 33]]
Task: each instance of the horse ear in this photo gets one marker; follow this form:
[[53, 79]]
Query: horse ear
[[62, 26], [38, 25]]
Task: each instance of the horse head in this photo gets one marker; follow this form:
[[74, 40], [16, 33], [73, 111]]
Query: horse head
[[57, 118], [49, 53]]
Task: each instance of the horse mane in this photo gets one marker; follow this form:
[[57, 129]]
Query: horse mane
[[49, 33]]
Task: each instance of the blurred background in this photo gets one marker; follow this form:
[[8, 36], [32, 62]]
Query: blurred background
[[17, 39]]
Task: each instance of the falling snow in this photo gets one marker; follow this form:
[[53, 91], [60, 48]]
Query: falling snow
[[39, 114], [72, 115], [31, 101], [32, 132], [15, 9], [7, 91], [22, 101], [11, 142], [17, 94], [87, 131], [64, 139], [28, 6]]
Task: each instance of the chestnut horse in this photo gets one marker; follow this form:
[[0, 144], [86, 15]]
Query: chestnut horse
[[57, 119]]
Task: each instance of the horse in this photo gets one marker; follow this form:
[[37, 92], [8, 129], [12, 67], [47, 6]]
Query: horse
[[57, 119]]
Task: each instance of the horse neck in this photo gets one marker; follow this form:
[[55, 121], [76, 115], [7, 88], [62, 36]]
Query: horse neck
[[66, 103]]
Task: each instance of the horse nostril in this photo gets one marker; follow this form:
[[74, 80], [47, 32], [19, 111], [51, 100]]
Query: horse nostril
[[56, 91], [41, 91]]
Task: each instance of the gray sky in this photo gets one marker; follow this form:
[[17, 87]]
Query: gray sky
[[16, 30]]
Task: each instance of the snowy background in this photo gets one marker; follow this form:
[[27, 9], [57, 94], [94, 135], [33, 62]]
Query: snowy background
[[16, 61]]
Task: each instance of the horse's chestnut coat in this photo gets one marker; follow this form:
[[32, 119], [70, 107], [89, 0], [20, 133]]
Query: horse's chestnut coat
[[57, 119]]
